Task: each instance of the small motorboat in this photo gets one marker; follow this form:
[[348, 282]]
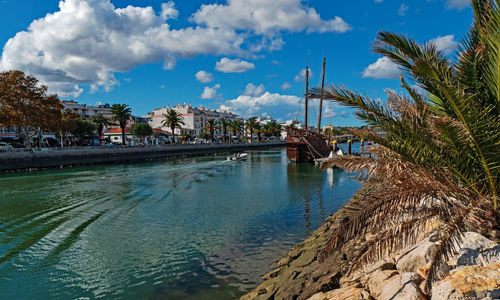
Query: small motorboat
[[238, 156]]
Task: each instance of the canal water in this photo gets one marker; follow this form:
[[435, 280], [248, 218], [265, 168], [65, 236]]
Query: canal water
[[193, 228]]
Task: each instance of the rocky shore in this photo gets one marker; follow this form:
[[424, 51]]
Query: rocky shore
[[474, 273]]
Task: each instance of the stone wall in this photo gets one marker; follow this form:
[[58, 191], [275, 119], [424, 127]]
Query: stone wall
[[52, 158]]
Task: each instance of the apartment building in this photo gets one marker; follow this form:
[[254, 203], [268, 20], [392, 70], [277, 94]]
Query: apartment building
[[195, 118], [86, 111]]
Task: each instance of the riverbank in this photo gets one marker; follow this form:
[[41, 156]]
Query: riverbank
[[474, 271], [65, 157]]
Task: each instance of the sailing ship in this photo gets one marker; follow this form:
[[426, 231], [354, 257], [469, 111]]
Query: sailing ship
[[304, 145]]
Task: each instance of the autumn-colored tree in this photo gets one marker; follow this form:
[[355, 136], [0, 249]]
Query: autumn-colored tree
[[66, 125], [25, 103]]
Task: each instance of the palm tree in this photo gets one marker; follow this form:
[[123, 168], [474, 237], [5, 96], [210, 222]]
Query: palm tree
[[236, 127], [258, 129], [121, 114], [173, 120], [224, 124], [100, 122], [439, 149], [212, 127], [276, 128], [250, 125]]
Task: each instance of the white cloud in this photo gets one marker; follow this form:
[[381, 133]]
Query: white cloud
[[253, 90], [446, 43], [329, 112], [86, 41], [458, 4], [382, 68], [203, 76], [210, 92], [247, 105], [237, 65], [302, 75], [403, 9], [168, 11], [286, 86], [267, 17]]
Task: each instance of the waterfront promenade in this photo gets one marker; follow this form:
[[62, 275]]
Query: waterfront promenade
[[64, 157]]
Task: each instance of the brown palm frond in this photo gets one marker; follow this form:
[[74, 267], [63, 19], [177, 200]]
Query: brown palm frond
[[393, 239]]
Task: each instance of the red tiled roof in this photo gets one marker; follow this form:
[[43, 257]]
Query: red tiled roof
[[116, 130], [158, 130]]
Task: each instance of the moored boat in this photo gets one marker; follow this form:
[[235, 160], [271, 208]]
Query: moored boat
[[304, 145]]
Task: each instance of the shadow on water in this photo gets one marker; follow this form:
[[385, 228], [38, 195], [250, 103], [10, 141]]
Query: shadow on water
[[194, 228]]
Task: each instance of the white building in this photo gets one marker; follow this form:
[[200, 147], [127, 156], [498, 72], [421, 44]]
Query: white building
[[86, 111], [195, 118]]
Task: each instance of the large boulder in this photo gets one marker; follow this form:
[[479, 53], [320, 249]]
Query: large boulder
[[348, 293], [477, 250], [417, 258], [385, 285], [470, 282]]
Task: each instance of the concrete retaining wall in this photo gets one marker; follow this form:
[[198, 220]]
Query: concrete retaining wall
[[52, 158]]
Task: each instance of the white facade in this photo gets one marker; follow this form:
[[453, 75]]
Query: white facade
[[86, 111], [195, 118]]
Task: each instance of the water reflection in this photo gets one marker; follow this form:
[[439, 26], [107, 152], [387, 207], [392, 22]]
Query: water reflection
[[176, 229]]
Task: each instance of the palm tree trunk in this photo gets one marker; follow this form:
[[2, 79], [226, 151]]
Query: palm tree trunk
[[173, 134], [123, 136]]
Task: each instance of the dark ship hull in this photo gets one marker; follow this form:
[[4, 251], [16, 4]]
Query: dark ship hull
[[305, 146]]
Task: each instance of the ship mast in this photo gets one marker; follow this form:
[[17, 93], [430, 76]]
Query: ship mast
[[321, 95], [307, 91]]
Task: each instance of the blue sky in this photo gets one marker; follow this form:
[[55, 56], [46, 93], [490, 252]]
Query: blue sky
[[146, 53]]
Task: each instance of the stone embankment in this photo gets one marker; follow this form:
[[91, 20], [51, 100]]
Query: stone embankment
[[24, 159], [473, 274]]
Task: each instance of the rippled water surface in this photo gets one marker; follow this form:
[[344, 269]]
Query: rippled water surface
[[195, 228]]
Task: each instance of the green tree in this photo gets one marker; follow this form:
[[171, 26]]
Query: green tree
[[173, 120], [141, 130], [275, 127], [250, 125], [439, 150], [224, 124], [100, 122], [25, 103], [258, 129], [84, 130], [211, 127], [236, 127], [121, 114]]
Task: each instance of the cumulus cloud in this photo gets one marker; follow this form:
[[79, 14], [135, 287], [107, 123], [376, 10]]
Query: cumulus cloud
[[254, 90], [267, 17], [302, 75], [210, 92], [247, 105], [382, 68], [285, 86], [458, 4], [86, 41], [203, 76], [403, 9], [237, 65], [446, 43]]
